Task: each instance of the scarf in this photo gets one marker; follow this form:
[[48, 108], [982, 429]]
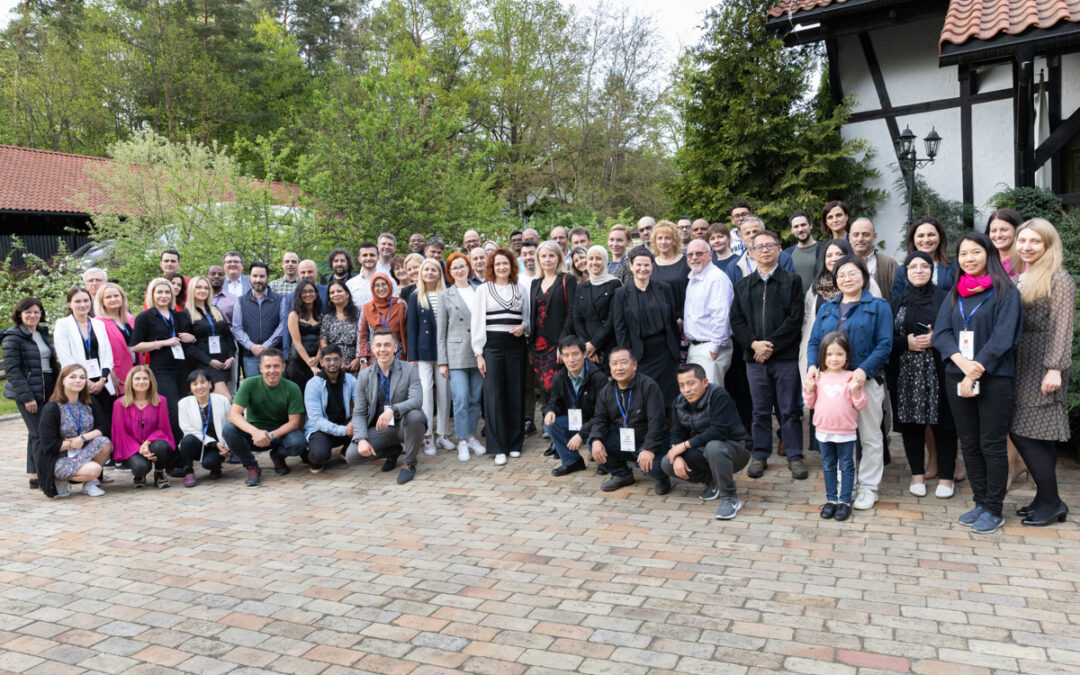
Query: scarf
[[389, 309], [603, 277], [969, 285], [826, 286], [920, 303]]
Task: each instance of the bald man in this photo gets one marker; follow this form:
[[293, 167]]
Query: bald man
[[470, 241], [706, 312], [645, 227]]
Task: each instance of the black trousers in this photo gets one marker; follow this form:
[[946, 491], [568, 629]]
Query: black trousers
[[140, 466], [30, 419], [172, 384], [191, 448], [321, 446], [504, 392], [982, 426], [737, 384], [915, 448]]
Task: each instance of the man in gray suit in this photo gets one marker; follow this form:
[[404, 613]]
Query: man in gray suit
[[387, 411]]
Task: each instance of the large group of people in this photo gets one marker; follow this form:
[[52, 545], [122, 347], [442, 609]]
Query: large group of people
[[688, 348]]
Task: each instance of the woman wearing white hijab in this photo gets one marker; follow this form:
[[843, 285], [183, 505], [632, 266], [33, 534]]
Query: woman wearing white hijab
[[592, 307]]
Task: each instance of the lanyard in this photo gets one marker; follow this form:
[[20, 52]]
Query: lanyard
[[78, 423], [384, 383], [386, 320], [89, 336], [206, 422], [209, 320], [967, 319], [624, 411], [169, 322], [575, 397], [124, 328]]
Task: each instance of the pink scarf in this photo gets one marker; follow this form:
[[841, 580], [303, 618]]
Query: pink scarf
[[969, 285]]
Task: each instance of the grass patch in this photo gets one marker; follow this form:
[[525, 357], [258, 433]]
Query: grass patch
[[8, 407]]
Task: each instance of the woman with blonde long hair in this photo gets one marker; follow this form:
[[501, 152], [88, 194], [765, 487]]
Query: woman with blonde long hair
[[142, 430], [214, 348], [1042, 365], [111, 309], [165, 334], [423, 350], [72, 440]]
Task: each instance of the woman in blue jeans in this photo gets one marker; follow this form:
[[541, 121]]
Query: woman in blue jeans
[[456, 361], [977, 332]]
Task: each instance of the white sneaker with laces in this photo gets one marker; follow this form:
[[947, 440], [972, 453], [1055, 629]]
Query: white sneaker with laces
[[462, 451], [429, 447], [500, 459], [476, 447], [515, 453], [93, 489], [865, 500], [443, 443]]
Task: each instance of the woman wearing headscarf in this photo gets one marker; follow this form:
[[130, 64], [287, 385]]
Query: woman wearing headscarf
[[383, 311], [920, 373], [593, 320]]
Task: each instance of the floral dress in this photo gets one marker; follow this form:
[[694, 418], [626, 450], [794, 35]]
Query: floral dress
[[544, 353], [340, 333], [76, 418]]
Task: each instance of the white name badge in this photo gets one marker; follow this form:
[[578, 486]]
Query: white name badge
[[93, 368], [967, 344], [627, 442], [573, 416], [178, 352], [391, 422], [215, 344]]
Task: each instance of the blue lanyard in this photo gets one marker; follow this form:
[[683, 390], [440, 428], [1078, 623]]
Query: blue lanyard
[[575, 397], [385, 321], [78, 423], [210, 320], [967, 319], [384, 383], [89, 335], [206, 422], [623, 411], [169, 322]]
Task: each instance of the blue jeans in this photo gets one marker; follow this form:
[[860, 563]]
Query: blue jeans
[[251, 364], [617, 459], [842, 454], [466, 386], [560, 435], [239, 444]]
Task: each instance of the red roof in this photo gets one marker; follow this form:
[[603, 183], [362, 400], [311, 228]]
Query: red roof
[[794, 6], [46, 181], [40, 180], [984, 19]]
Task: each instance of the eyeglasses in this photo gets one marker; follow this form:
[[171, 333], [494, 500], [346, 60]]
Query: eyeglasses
[[695, 254], [761, 248], [309, 291], [849, 277]]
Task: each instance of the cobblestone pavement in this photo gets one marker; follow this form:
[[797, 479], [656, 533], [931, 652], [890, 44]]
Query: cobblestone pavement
[[507, 570]]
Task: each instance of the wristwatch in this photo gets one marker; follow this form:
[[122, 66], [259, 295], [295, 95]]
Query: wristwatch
[[271, 435]]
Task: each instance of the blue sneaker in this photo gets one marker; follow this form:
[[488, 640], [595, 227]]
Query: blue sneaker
[[987, 523], [971, 516]]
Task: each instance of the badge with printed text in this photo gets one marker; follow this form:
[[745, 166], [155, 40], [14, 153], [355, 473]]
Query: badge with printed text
[[967, 344], [178, 352], [215, 344], [627, 442], [573, 417]]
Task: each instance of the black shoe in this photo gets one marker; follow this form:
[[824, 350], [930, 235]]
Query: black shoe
[[843, 511], [406, 474], [828, 510], [616, 482], [304, 458], [530, 428], [560, 470], [389, 465], [1025, 511], [711, 492], [34, 484], [215, 473], [663, 486], [254, 477], [280, 467], [179, 472], [1035, 519], [600, 470], [233, 459], [550, 452]]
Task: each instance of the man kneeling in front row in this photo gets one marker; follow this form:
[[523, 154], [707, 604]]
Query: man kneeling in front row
[[387, 411], [708, 440], [629, 425]]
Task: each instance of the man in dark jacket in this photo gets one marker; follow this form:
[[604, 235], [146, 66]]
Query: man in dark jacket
[[766, 318], [629, 425], [708, 442], [572, 403]]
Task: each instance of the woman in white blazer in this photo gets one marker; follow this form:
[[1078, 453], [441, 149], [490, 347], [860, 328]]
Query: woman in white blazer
[[80, 340], [203, 416]]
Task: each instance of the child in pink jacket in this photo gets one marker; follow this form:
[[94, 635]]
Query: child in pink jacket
[[836, 401]]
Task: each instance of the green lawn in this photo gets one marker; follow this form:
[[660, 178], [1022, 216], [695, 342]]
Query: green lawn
[[7, 407]]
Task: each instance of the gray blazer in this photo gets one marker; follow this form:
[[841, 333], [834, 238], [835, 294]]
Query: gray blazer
[[405, 395], [454, 327]]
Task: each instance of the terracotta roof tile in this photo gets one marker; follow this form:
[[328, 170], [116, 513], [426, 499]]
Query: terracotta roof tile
[[794, 6], [46, 181], [40, 180], [984, 19]]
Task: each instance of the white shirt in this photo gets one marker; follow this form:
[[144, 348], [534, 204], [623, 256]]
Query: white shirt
[[235, 288], [360, 287], [871, 262], [707, 310]]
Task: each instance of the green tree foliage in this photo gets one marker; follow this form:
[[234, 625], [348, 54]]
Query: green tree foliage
[[752, 130], [47, 280]]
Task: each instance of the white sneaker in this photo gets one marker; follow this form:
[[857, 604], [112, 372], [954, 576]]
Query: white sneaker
[[944, 491], [429, 447], [462, 451], [443, 443], [500, 459], [865, 500], [515, 453], [476, 447], [93, 489], [917, 489], [62, 489]]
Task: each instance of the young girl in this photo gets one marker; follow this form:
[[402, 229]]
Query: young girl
[[836, 401]]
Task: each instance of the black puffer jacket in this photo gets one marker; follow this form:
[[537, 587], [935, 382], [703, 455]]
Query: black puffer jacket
[[22, 363]]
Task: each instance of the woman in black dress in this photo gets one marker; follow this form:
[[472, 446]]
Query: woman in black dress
[[305, 325], [214, 349], [646, 321], [593, 320], [165, 334], [670, 266], [550, 298]]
